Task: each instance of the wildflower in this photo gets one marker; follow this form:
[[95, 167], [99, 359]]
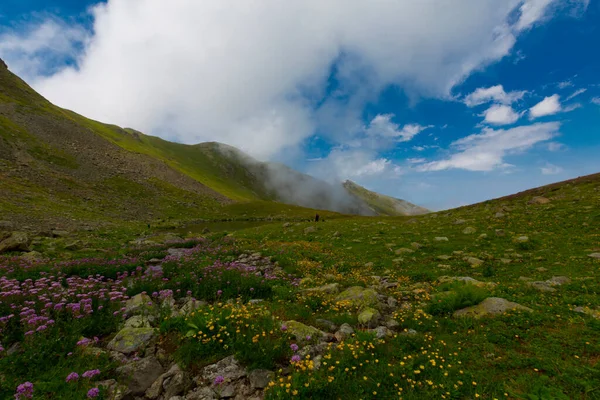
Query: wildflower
[[284, 328], [296, 358], [94, 392], [219, 292], [294, 347], [308, 337], [24, 390], [91, 373], [219, 380], [73, 376]]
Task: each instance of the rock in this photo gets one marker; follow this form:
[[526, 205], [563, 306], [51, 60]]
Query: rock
[[229, 368], [75, 245], [369, 265], [32, 256], [137, 304], [381, 332], [301, 331], [416, 245], [522, 239], [490, 306], [190, 306], [130, 340], [558, 280], [444, 257], [588, 311], [332, 288], [483, 236], [202, 393], [140, 375], [525, 279], [344, 332], [59, 233], [473, 261], [499, 215], [459, 221], [310, 229], [336, 234], [358, 296], [469, 230], [177, 383], [138, 321], [392, 324], [392, 302], [112, 390], [403, 250], [260, 378], [505, 260], [594, 255], [499, 232], [441, 239], [14, 349], [326, 324], [541, 286], [17, 241], [369, 316], [539, 200], [409, 332], [541, 269], [466, 279]]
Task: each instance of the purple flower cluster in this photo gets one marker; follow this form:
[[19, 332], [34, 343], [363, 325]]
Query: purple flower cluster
[[24, 391], [94, 392], [73, 376], [91, 373]]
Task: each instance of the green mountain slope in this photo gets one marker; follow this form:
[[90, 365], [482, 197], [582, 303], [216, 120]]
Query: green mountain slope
[[58, 167], [382, 204]]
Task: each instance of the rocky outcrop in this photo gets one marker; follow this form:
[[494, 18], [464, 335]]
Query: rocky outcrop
[[490, 306], [140, 375], [130, 340], [17, 241]]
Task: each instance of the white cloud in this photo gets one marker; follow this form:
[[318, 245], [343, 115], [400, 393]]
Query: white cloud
[[493, 93], [596, 100], [343, 164], [419, 148], [551, 169], [415, 160], [565, 84], [486, 151], [500, 115], [549, 106], [252, 73], [576, 93], [383, 126], [556, 146]]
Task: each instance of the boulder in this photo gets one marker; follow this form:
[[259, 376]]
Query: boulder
[[202, 393], [326, 324], [260, 378], [17, 241], [382, 332], [466, 279], [301, 331], [32, 256], [403, 250], [441, 239], [558, 280], [310, 229], [473, 261], [229, 368], [522, 239], [539, 200], [191, 305], [541, 286], [130, 340], [594, 255], [358, 296], [137, 304], [344, 332], [588, 311], [138, 321], [140, 375], [392, 324], [490, 306], [469, 230], [332, 288], [369, 316]]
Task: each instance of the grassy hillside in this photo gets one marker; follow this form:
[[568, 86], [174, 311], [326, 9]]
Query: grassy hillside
[[353, 308], [382, 204]]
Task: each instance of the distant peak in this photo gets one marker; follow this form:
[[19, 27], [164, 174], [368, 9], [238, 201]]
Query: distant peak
[[3, 64]]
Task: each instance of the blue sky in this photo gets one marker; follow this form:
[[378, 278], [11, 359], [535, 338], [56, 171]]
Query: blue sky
[[441, 105]]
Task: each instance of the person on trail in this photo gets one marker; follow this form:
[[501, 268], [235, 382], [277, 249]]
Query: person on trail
[[317, 218]]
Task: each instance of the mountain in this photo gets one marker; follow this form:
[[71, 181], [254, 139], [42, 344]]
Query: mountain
[[382, 204], [59, 168]]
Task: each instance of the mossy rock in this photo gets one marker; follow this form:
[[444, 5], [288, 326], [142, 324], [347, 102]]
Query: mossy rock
[[130, 340], [490, 306], [301, 331], [359, 297], [369, 317]]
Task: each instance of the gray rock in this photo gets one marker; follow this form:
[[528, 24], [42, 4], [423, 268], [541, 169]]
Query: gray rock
[[473, 261], [130, 340], [392, 302], [541, 286], [558, 280], [522, 239], [392, 324], [409, 332], [369, 317], [469, 230], [138, 321], [539, 200], [332, 288], [500, 232], [326, 324], [310, 229], [191, 305], [202, 393], [499, 215], [260, 378], [137, 304], [344, 332], [140, 375], [17, 241], [441, 239], [594, 255], [382, 332], [490, 306], [229, 368]]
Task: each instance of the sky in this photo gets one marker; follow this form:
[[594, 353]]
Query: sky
[[440, 103]]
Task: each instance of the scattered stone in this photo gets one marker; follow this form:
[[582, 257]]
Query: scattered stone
[[75, 245], [140, 375], [59, 233], [524, 278], [392, 324], [444, 257], [17, 241], [382, 332], [594, 255], [542, 286], [500, 232], [229, 368], [467, 280], [369, 265], [130, 340], [522, 239], [403, 250], [416, 245], [392, 302], [588, 311], [190, 306], [539, 200], [138, 321], [505, 260], [344, 332], [260, 378], [499, 215], [483, 236], [137, 304], [473, 261], [32, 256], [469, 230], [301, 331], [202, 393], [459, 221], [490, 306], [409, 332], [541, 269], [326, 324], [336, 234], [332, 288], [441, 239], [558, 280], [310, 229], [287, 225], [358, 296], [369, 316]]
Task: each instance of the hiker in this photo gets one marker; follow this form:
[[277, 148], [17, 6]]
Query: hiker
[[317, 218]]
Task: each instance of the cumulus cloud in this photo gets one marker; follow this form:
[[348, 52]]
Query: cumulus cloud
[[254, 74], [493, 93], [596, 100], [383, 126], [551, 169], [500, 115], [549, 106], [343, 164], [486, 151]]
